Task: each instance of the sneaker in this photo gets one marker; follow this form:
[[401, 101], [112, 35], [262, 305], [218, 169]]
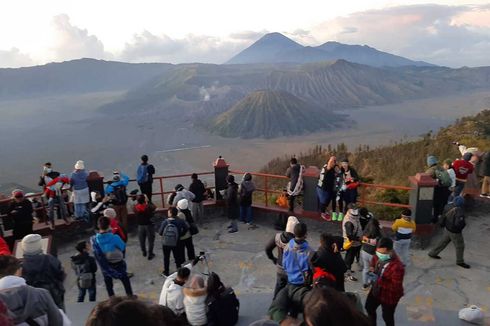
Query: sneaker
[[144, 253], [164, 274], [464, 265], [434, 256], [232, 231], [229, 226], [365, 287], [334, 216], [151, 256], [485, 195], [130, 274], [340, 217], [326, 217]]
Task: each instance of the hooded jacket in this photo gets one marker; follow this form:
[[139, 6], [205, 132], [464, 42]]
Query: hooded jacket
[[246, 189], [195, 306], [172, 295], [332, 263], [124, 181], [280, 241], [86, 263], [352, 229], [26, 302], [183, 194], [198, 189], [296, 261], [109, 242]]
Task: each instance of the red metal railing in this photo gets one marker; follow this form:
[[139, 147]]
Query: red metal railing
[[363, 187], [266, 178]]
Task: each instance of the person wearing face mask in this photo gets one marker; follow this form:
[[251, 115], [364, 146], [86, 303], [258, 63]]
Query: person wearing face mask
[[387, 273]]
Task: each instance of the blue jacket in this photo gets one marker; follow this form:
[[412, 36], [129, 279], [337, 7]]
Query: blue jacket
[[78, 179], [123, 182], [144, 174], [296, 261], [108, 242]]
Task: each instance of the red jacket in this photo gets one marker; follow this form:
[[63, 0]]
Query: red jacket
[[390, 284], [50, 193], [117, 229], [4, 248], [462, 169]]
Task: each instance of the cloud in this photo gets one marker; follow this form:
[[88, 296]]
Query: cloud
[[14, 58], [248, 35], [72, 42], [445, 35]]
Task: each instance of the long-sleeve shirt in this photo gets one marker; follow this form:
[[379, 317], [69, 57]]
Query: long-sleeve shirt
[[404, 228], [123, 182]]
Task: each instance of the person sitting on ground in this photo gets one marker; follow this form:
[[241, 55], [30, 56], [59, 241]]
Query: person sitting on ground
[[223, 305], [195, 302], [172, 294], [182, 193], [20, 211], [245, 192], [27, 305], [329, 259], [280, 241], [118, 198], [352, 234], [404, 227], [144, 212], [453, 221], [109, 252], [186, 239], [199, 190], [43, 270], [85, 268], [387, 289], [171, 230], [116, 227], [370, 237]]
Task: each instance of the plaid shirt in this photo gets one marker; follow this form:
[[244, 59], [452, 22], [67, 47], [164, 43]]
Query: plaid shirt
[[390, 284]]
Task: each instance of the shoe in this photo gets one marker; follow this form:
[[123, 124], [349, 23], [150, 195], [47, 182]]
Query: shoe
[[151, 256], [130, 274], [334, 216], [434, 256], [326, 217], [340, 217], [133, 297], [164, 274], [365, 287], [144, 253], [351, 278], [232, 231], [485, 195], [229, 226], [464, 265]]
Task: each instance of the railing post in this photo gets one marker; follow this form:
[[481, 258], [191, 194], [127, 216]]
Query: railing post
[[310, 180], [162, 195], [266, 187], [421, 201]]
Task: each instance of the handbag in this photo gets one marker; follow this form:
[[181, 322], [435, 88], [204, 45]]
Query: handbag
[[282, 201]]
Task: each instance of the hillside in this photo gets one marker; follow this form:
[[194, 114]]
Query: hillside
[[277, 48], [271, 114]]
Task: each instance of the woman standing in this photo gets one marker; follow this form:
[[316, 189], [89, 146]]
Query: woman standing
[[81, 195], [246, 190]]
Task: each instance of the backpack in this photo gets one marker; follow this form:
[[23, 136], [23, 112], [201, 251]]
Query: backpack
[[170, 235], [85, 277], [443, 177], [228, 307], [144, 175], [120, 196]]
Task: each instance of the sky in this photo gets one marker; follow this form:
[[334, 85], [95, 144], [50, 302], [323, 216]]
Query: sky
[[452, 33]]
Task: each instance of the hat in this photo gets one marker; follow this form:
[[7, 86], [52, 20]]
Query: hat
[[31, 244], [179, 187], [17, 193], [292, 221], [458, 201], [183, 204], [431, 160], [110, 213], [80, 165], [116, 178], [467, 156]]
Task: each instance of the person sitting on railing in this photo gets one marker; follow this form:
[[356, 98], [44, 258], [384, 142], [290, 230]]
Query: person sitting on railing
[[20, 211], [116, 191], [351, 182], [325, 189], [182, 193], [338, 199], [199, 190]]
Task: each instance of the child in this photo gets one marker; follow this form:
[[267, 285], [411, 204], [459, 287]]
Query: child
[[85, 267], [404, 228]]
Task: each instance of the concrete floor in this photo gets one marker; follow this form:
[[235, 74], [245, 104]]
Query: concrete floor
[[435, 290]]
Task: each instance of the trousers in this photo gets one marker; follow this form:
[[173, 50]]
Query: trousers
[[146, 232], [458, 241]]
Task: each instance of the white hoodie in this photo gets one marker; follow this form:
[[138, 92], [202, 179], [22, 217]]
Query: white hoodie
[[195, 306]]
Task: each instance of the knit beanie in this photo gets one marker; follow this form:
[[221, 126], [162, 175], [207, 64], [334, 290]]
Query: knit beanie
[[110, 213], [431, 160], [183, 204], [292, 221], [31, 244]]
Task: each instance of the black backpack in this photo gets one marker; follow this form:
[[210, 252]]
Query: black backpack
[[228, 307], [120, 197]]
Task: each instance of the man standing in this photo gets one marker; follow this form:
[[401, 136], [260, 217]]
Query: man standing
[[20, 210], [198, 189], [232, 206], [116, 191], [462, 168], [485, 172], [351, 182], [453, 221], [294, 173], [171, 230], [387, 289], [144, 177]]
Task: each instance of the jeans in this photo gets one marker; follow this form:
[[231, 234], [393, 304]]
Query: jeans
[[325, 197], [372, 304], [366, 263], [62, 211], [281, 282], [458, 241], [110, 286], [81, 212], [246, 214], [176, 252], [91, 294], [459, 188], [144, 232], [402, 248], [197, 211]]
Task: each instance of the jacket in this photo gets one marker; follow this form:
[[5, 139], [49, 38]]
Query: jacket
[[390, 284], [246, 190], [326, 181], [332, 263], [86, 263], [279, 241], [145, 173], [26, 302], [78, 179], [350, 175], [231, 196], [296, 261], [453, 218], [117, 229], [172, 295], [21, 213], [485, 164], [144, 213], [124, 181], [223, 311], [404, 229], [54, 186], [183, 194], [187, 234], [109, 242], [198, 189], [352, 229], [293, 174], [181, 226], [195, 306], [462, 169]]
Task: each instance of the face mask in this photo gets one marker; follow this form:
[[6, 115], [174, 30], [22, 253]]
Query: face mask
[[383, 257]]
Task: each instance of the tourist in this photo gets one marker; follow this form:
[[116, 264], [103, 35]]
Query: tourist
[[280, 241], [27, 305], [325, 188], [199, 191], [351, 182], [144, 177], [172, 295], [98, 205], [44, 179], [463, 168], [370, 237], [232, 206], [81, 196], [170, 230], [352, 234], [448, 166], [245, 191], [404, 227], [85, 268], [387, 289], [364, 217], [144, 212], [114, 224], [441, 190], [295, 175], [182, 193], [453, 221], [118, 198], [20, 212], [329, 259], [54, 193], [222, 303], [338, 200], [195, 302], [43, 270], [109, 252], [485, 172], [185, 240]]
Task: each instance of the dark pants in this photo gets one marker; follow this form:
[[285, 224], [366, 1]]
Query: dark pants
[[291, 200], [459, 188], [166, 257], [288, 300], [281, 282], [146, 231], [246, 214], [441, 195], [340, 195], [325, 197], [21, 230], [458, 241], [186, 245], [350, 255], [109, 285], [372, 304], [349, 196], [147, 189], [91, 294]]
